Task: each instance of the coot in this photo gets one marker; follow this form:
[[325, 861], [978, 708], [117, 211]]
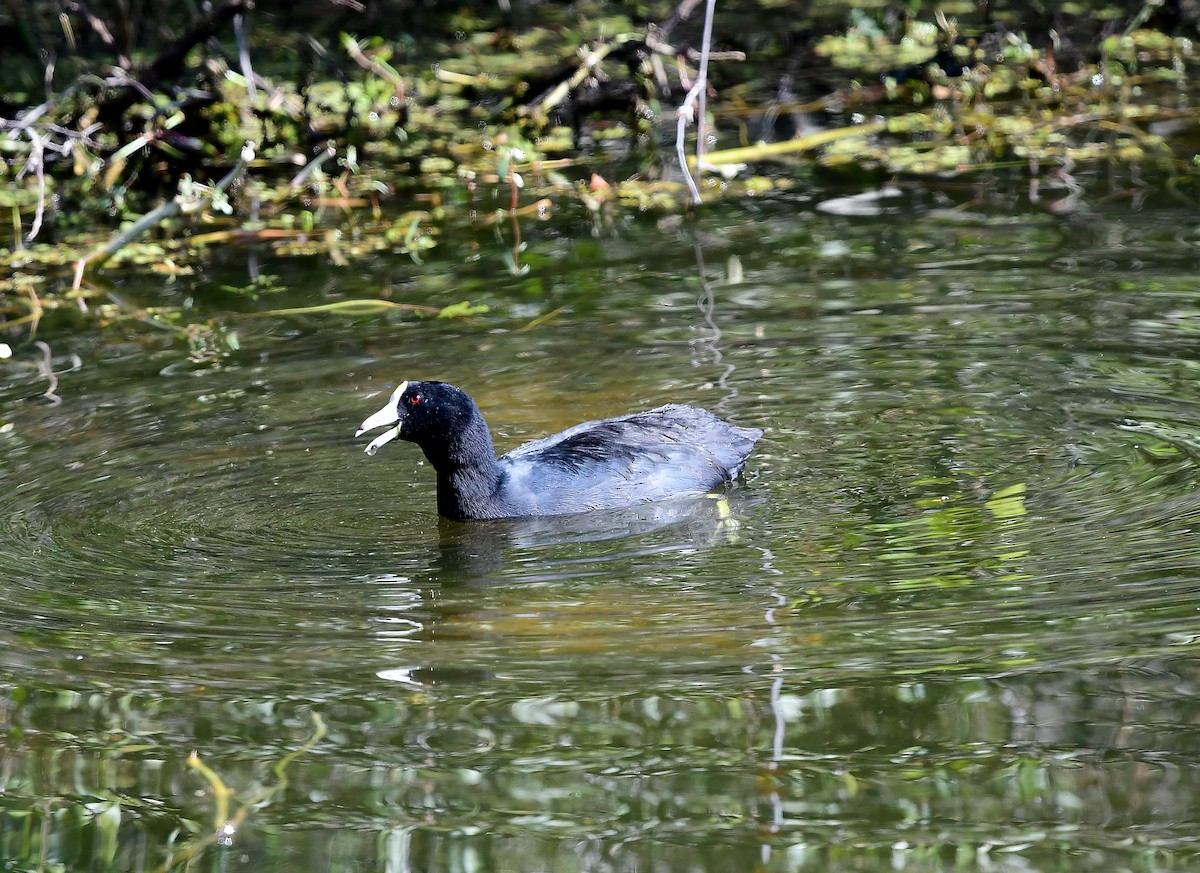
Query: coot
[[667, 452]]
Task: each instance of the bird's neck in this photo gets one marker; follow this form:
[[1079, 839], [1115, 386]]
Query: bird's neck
[[463, 492], [467, 472]]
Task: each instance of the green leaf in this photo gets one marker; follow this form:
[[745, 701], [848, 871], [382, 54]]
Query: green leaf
[[466, 309]]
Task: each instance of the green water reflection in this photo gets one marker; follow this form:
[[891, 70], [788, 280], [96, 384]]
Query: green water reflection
[[950, 623]]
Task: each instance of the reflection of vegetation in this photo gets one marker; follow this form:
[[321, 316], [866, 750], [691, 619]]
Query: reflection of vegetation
[[88, 824], [1033, 768], [225, 824]]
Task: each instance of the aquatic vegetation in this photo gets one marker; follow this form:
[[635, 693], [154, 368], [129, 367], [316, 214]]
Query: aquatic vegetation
[[227, 136]]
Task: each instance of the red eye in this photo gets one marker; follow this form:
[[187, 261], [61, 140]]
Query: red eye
[[414, 400]]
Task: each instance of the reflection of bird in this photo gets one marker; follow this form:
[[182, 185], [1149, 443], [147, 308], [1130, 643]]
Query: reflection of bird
[[667, 452]]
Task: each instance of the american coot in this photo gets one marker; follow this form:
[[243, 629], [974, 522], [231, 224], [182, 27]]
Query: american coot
[[666, 452]]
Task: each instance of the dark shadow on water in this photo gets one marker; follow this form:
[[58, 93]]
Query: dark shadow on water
[[473, 562], [490, 552]]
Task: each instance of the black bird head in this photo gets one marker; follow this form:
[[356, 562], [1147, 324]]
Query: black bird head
[[436, 416]]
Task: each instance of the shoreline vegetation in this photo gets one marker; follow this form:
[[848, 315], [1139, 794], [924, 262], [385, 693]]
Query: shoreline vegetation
[[337, 130]]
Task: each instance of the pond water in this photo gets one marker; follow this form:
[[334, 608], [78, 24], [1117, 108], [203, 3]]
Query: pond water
[[949, 619]]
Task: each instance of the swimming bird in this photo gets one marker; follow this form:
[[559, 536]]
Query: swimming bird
[[671, 451]]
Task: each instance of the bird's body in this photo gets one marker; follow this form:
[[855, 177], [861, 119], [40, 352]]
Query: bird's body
[[666, 452]]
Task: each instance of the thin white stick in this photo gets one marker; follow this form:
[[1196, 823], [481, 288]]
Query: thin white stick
[[39, 158], [702, 104], [687, 111], [684, 114], [239, 33]]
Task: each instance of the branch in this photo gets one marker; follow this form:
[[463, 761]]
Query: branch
[[170, 63], [176, 206]]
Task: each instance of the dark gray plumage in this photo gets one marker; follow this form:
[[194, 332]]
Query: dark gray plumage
[[667, 452]]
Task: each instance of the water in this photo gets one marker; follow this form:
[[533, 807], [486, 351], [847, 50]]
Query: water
[[947, 620]]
